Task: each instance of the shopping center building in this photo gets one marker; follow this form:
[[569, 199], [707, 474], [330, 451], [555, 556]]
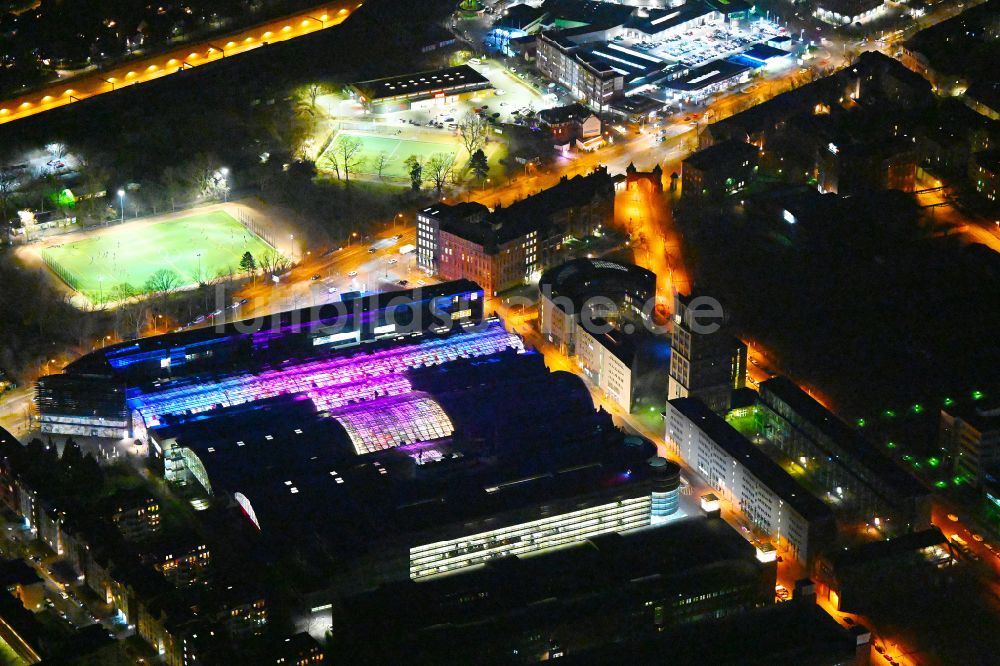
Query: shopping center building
[[410, 436]]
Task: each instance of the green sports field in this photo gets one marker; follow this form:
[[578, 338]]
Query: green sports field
[[396, 148], [133, 252]]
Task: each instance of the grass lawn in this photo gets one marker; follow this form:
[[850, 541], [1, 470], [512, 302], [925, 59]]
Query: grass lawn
[[132, 252], [397, 149]]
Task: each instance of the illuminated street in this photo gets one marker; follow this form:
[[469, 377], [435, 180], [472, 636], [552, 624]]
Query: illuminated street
[[88, 85]]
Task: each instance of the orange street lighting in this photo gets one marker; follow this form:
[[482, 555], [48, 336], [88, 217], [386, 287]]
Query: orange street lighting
[[69, 92], [268, 34], [130, 75], [47, 98], [287, 28]]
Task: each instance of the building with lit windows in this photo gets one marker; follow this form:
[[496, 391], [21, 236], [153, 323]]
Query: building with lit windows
[[846, 12], [298, 650], [839, 459], [626, 362], [166, 375], [719, 170], [593, 81], [403, 447], [502, 248], [852, 578], [971, 437], [744, 475], [362, 481], [613, 589], [135, 514], [573, 123], [708, 364], [582, 290], [182, 562], [984, 174], [421, 90]]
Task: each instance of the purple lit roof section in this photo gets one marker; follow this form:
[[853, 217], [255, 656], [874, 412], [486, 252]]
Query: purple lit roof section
[[394, 421], [330, 382]]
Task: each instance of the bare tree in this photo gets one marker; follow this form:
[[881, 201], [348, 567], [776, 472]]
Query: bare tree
[[334, 163], [8, 185], [162, 282], [131, 309], [273, 262], [438, 168], [472, 130], [381, 162], [348, 151]]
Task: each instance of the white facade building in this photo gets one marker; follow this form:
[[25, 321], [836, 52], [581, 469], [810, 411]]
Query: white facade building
[[745, 476], [608, 363]]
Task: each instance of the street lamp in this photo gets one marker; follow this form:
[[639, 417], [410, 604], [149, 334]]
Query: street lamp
[[121, 200], [199, 267]]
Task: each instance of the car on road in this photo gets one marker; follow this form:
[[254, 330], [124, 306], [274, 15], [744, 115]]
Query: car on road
[[392, 261], [421, 283], [352, 274], [314, 277], [977, 537], [403, 283], [372, 250], [397, 236]]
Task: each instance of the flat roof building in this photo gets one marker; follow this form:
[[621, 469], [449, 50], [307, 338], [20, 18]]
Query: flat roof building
[[396, 452], [870, 483], [446, 84], [706, 362], [613, 589], [709, 78], [502, 248], [746, 476], [971, 436], [617, 358]]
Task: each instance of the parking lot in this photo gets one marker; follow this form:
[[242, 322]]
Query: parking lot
[[514, 93], [710, 42]]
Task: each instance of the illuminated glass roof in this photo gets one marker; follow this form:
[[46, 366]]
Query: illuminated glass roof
[[329, 383], [390, 422]]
